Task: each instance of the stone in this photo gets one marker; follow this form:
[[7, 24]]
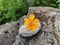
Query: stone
[[25, 33], [8, 33], [50, 31], [48, 35]]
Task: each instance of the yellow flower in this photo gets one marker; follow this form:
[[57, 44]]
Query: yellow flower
[[31, 23]]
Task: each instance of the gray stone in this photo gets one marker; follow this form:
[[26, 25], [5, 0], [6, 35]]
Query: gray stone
[[48, 35], [25, 33], [50, 32], [8, 33]]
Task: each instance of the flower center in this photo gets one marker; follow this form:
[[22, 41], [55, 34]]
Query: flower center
[[31, 23]]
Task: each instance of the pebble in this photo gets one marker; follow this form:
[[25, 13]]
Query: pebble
[[23, 32]]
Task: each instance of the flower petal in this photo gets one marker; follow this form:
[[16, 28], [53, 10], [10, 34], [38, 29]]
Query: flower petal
[[36, 25], [26, 20], [33, 28], [31, 17], [26, 23], [28, 28], [36, 20]]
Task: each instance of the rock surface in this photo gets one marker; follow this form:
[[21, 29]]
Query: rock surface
[[49, 34], [8, 33]]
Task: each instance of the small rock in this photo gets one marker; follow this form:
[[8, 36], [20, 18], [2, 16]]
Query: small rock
[[25, 33]]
